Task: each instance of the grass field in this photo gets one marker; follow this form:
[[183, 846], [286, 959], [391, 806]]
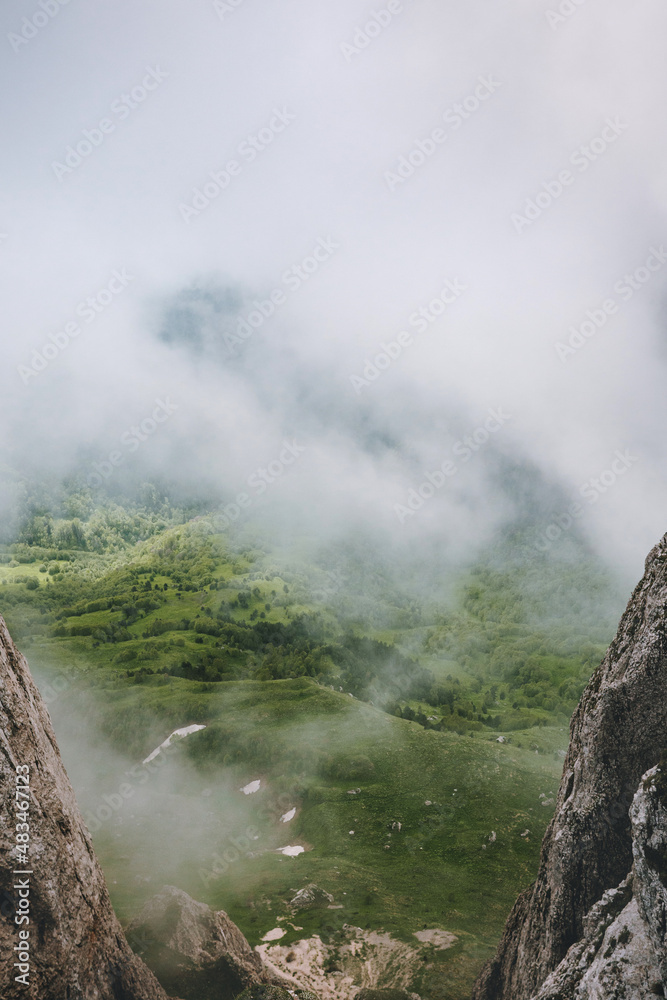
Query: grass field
[[189, 824], [420, 802]]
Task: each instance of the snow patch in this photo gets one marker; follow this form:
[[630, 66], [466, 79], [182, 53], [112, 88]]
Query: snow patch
[[275, 935], [253, 787], [178, 733]]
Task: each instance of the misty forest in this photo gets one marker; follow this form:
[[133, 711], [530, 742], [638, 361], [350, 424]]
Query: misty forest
[[331, 453], [414, 723]]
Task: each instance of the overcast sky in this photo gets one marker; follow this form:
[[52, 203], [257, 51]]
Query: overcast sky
[[499, 167]]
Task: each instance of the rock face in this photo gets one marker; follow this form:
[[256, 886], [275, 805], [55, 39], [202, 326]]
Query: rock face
[[311, 897], [623, 949], [616, 735], [76, 947], [649, 824], [196, 952]]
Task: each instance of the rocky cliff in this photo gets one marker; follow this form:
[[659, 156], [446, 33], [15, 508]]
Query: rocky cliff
[[597, 911], [196, 952], [58, 931], [621, 955]]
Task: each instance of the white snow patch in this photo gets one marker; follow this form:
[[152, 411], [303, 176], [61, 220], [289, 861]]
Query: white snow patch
[[275, 935], [291, 852], [253, 787], [185, 731], [288, 816]]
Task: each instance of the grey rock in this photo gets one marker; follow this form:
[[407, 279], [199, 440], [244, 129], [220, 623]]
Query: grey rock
[[621, 955], [195, 952], [649, 849], [618, 965], [616, 735], [311, 897], [77, 946]]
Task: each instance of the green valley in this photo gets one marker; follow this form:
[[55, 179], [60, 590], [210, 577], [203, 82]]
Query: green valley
[[414, 737]]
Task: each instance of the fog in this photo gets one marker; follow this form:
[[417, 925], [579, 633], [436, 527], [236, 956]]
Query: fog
[[161, 819], [501, 170], [379, 284]]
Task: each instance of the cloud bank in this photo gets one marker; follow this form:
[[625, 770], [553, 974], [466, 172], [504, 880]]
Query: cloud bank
[[364, 232]]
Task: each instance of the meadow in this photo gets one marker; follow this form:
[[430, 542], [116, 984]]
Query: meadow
[[414, 742]]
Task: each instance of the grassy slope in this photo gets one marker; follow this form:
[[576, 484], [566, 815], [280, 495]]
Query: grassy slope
[[310, 745]]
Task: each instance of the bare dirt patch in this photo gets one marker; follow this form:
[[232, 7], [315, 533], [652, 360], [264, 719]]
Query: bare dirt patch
[[439, 939], [365, 959]]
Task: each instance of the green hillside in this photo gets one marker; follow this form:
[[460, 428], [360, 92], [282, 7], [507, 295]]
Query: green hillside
[[417, 734]]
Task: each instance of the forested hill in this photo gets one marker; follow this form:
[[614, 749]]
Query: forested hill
[[150, 586]]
